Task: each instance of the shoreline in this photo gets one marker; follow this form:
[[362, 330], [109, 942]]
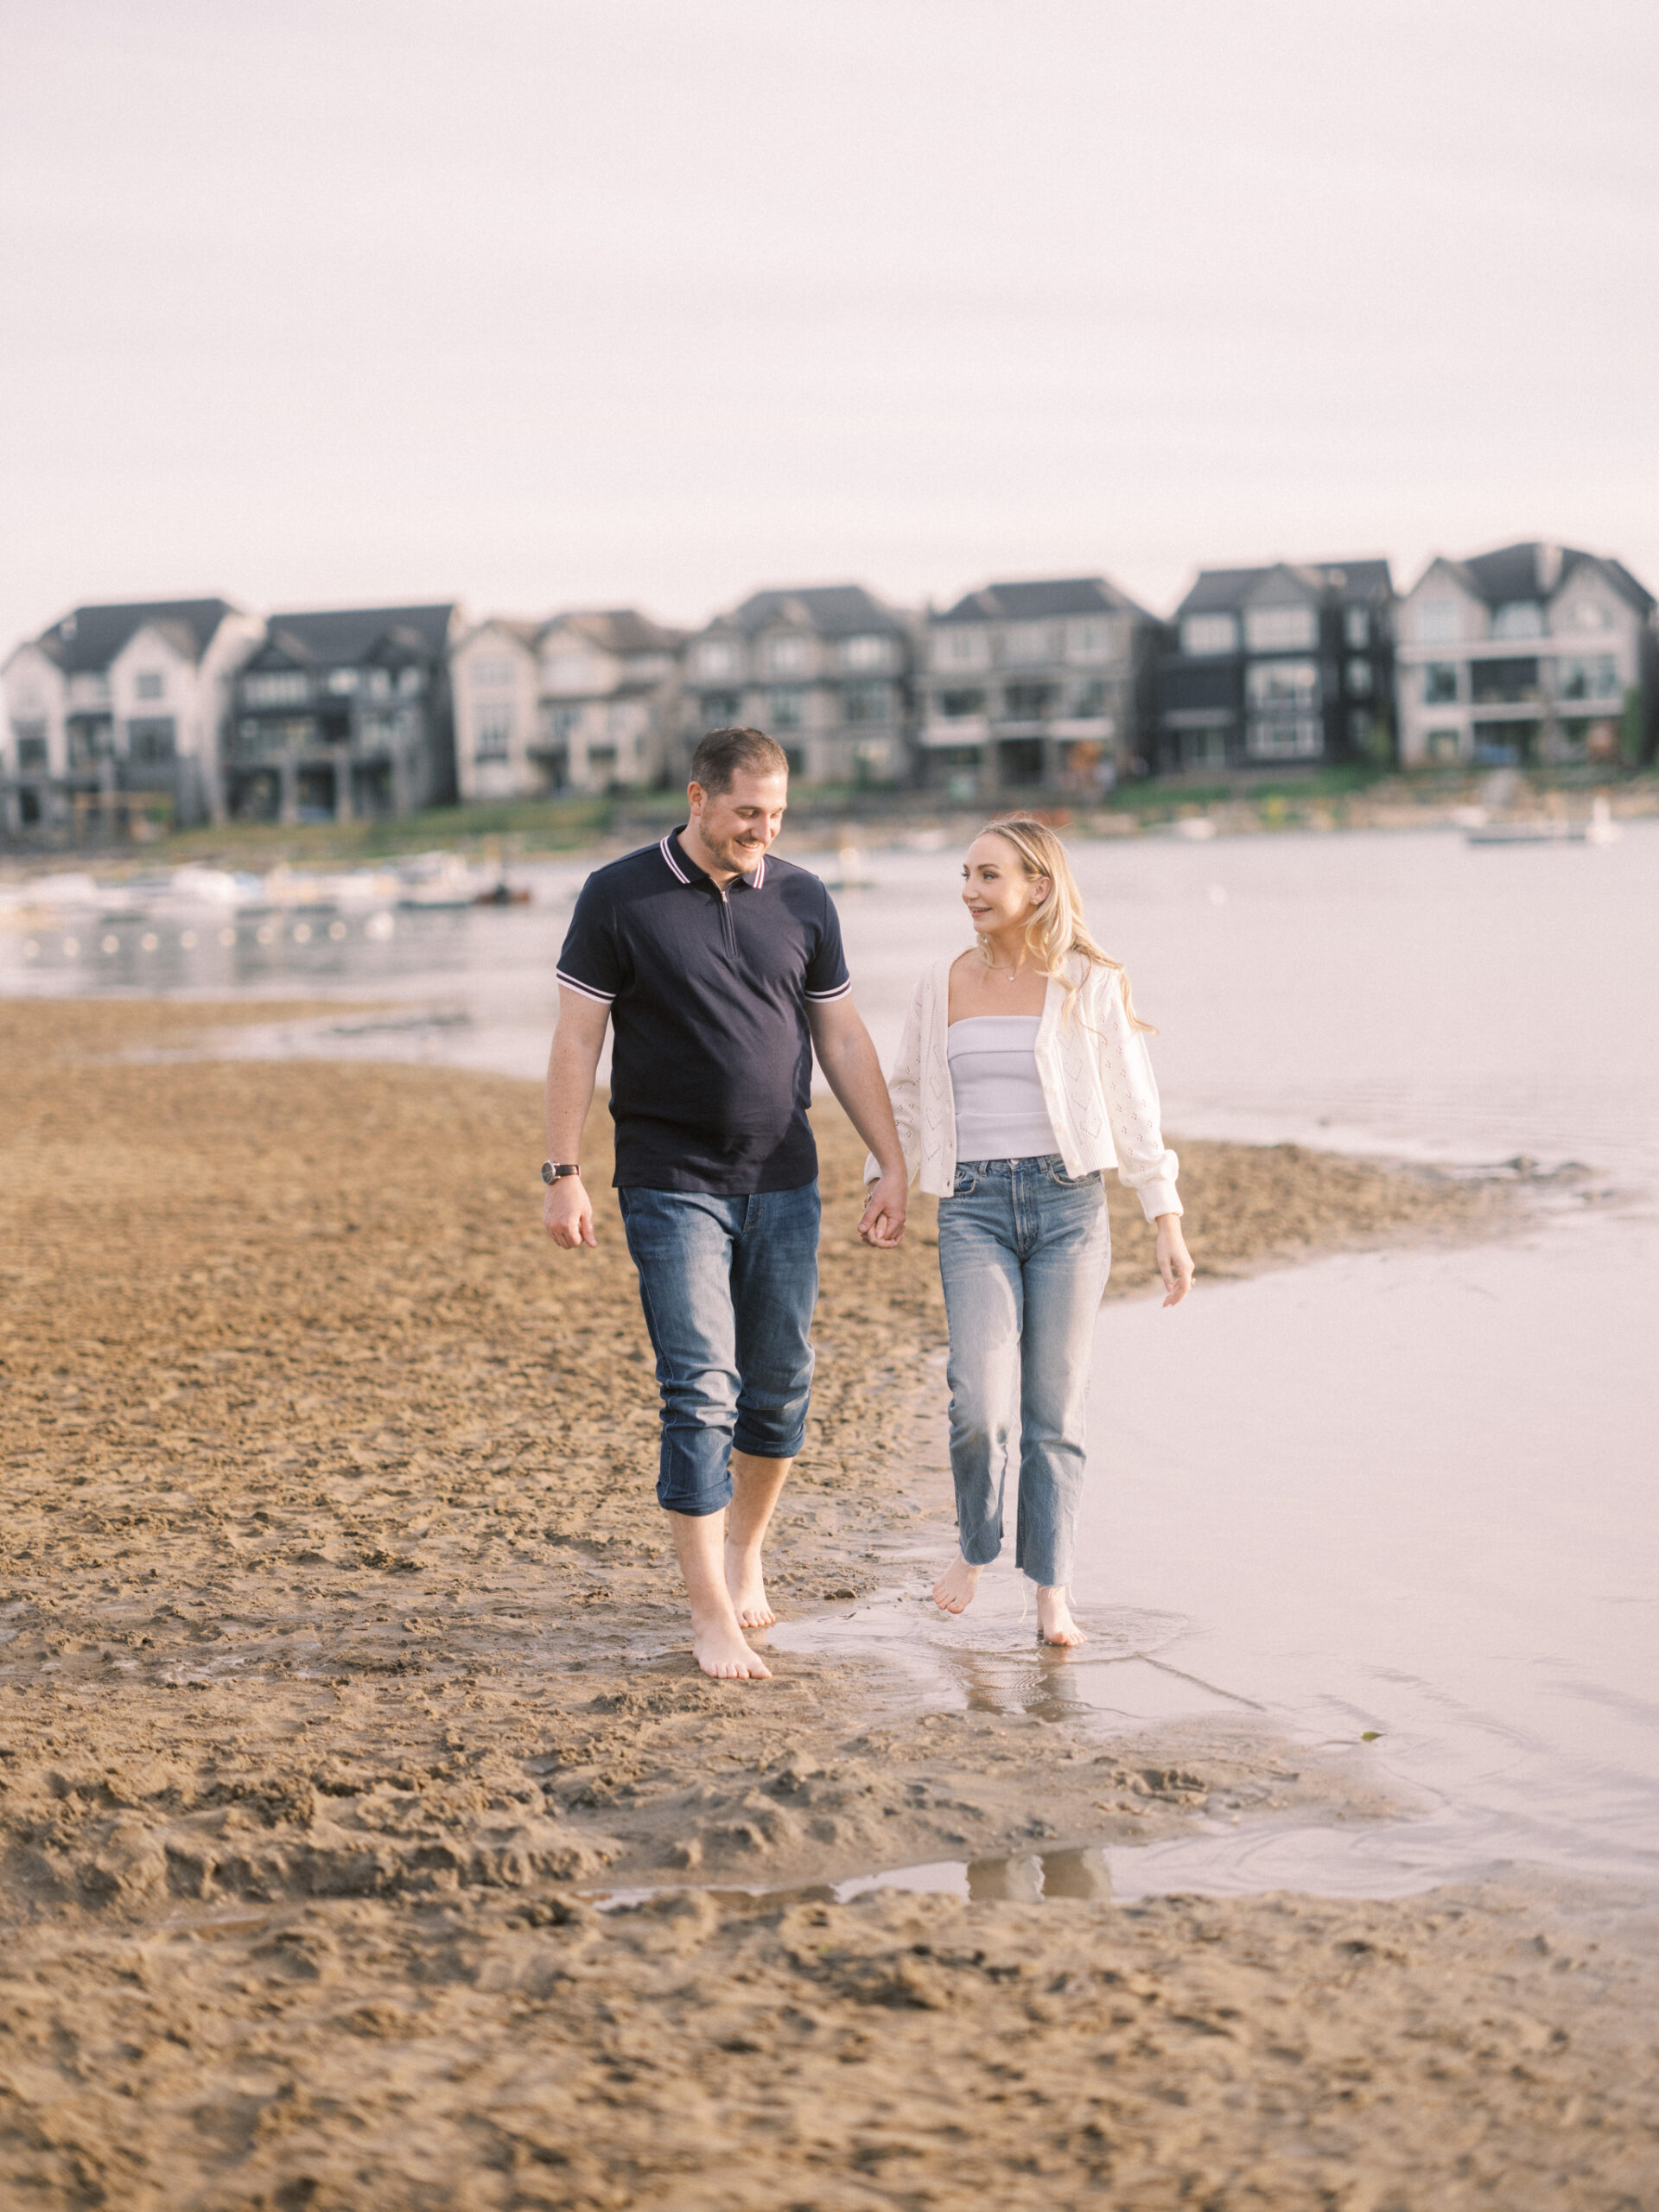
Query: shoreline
[[343, 1651]]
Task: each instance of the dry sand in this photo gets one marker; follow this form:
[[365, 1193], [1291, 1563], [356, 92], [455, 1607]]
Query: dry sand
[[340, 1657]]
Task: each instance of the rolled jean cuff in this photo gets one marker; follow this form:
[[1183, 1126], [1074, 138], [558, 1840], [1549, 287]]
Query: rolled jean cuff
[[769, 1445]]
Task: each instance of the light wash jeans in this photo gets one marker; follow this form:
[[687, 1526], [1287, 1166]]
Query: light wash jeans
[[728, 1286], [1024, 1253]]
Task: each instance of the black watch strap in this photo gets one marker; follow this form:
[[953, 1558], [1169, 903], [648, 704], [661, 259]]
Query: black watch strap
[[555, 1171]]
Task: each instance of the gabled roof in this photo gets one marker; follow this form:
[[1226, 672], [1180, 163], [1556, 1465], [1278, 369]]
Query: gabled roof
[[832, 610], [1536, 570], [523, 628], [349, 637], [85, 640], [618, 630], [1041, 601], [1224, 591]]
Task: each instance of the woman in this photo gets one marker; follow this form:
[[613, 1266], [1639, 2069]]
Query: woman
[[1021, 1076]]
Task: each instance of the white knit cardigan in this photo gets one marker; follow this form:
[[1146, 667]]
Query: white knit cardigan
[[1096, 1078]]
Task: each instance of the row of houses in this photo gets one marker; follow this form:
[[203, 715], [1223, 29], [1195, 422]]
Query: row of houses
[[1534, 653]]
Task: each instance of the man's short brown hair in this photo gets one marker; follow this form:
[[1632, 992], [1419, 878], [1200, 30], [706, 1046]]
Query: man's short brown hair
[[723, 752]]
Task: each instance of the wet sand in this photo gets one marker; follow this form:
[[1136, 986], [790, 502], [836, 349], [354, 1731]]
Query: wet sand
[[343, 1665]]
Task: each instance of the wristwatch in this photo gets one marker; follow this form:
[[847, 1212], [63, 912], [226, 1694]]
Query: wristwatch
[[554, 1171]]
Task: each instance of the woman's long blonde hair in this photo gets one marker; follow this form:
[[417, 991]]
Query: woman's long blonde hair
[[1057, 929]]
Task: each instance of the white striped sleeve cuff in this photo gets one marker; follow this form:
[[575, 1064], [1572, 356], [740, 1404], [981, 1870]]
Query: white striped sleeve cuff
[[575, 983], [839, 991]]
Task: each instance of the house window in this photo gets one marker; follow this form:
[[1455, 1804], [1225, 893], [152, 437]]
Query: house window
[[1520, 618], [563, 723], [491, 672], [1359, 679], [1505, 683], [275, 686], [412, 682], [1440, 682], [342, 682], [954, 704], [151, 743], [785, 708], [31, 750], [492, 738], [1591, 676], [1277, 629], [1089, 639], [1357, 626], [1300, 739], [1210, 633], [1439, 622], [601, 763], [717, 657], [720, 709], [864, 653], [961, 645], [1088, 701], [1278, 683], [1587, 615], [1028, 703], [866, 703], [150, 684], [788, 655], [379, 683]]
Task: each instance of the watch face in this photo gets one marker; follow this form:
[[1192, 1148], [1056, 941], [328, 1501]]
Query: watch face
[[547, 1171]]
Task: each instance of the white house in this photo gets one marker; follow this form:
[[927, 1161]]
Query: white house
[[495, 683], [117, 703], [610, 699], [1536, 654]]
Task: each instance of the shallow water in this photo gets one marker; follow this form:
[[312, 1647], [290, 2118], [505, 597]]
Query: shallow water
[[1409, 1492]]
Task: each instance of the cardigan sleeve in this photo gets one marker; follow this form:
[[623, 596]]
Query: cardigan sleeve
[[904, 1089], [1145, 1165]]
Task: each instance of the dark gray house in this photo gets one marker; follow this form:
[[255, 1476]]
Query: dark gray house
[[1037, 684], [345, 712], [824, 669], [1292, 663]]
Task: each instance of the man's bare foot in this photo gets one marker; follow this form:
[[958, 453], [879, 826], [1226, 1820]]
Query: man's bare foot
[[749, 1588], [954, 1591], [720, 1650], [1054, 1621]]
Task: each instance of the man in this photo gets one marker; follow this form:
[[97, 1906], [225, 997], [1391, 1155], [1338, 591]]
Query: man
[[721, 969]]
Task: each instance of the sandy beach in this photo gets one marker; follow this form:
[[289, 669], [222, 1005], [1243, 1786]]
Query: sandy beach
[[344, 1683]]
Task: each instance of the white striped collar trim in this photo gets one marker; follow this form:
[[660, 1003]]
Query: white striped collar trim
[[754, 879]]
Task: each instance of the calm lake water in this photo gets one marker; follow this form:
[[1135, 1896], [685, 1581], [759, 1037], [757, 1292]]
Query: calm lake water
[[1409, 1493]]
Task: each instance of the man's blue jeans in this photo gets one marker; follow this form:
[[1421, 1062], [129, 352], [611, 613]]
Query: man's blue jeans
[[728, 1286], [1024, 1253]]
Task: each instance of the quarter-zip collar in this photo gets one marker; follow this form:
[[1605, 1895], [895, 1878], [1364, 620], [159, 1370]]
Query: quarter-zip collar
[[688, 871]]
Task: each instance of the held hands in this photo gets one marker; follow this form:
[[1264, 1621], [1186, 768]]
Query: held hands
[[568, 1214], [1174, 1260], [882, 1222]]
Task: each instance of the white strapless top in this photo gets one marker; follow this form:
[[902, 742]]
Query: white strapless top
[[1001, 1111]]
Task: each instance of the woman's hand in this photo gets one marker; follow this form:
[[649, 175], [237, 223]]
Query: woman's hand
[[1174, 1260]]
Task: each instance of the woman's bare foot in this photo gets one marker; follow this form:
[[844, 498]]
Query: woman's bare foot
[[1054, 1621], [720, 1650], [954, 1591], [747, 1585]]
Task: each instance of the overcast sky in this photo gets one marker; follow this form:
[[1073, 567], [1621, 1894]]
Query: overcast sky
[[550, 303]]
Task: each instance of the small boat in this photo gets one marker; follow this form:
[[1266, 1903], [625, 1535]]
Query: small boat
[[502, 894]]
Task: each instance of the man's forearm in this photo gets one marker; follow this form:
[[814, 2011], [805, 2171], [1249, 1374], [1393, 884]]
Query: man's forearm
[[854, 1073], [571, 1067]]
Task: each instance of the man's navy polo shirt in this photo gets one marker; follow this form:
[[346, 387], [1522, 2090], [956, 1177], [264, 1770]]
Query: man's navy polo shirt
[[711, 1066]]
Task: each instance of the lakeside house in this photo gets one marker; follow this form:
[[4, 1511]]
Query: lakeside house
[[342, 712], [116, 705], [1032, 685], [1535, 654], [1289, 664], [824, 669], [586, 702]]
